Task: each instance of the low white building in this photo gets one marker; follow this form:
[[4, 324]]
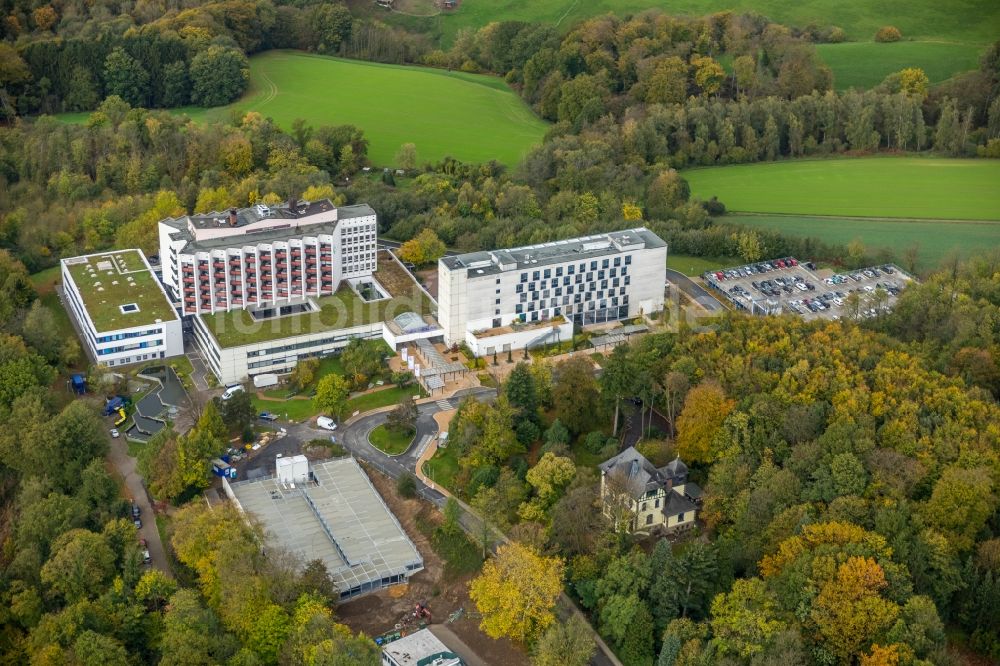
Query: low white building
[[421, 648], [122, 311], [330, 511], [520, 297]]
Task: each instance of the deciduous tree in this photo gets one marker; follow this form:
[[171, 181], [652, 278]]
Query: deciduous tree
[[219, 74], [516, 593], [331, 395], [575, 395], [700, 422], [568, 643]]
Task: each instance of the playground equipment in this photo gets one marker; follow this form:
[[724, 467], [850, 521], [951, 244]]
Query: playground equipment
[[122, 417], [116, 403]]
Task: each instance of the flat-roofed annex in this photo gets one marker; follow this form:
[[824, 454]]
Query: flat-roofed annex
[[342, 310], [340, 519], [119, 290]]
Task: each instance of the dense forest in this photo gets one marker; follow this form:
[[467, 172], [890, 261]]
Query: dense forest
[[850, 473]]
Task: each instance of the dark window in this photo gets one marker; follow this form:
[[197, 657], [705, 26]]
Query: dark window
[[593, 265], [518, 308], [649, 519], [605, 263], [628, 259], [524, 277], [559, 271], [548, 273], [618, 261], [534, 275], [519, 288]]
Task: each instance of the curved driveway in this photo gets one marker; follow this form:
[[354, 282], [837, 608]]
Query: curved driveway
[[353, 436]]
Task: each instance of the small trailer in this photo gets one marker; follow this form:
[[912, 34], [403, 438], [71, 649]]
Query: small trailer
[[223, 469], [265, 381]]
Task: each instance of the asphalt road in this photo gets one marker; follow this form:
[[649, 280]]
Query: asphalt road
[[695, 291], [118, 455], [354, 438]]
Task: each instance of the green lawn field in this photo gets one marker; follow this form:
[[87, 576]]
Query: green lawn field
[[886, 202], [866, 64], [895, 187], [390, 442], [471, 117], [934, 239], [692, 266]]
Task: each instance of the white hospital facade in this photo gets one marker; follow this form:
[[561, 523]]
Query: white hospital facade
[[260, 287], [509, 299]]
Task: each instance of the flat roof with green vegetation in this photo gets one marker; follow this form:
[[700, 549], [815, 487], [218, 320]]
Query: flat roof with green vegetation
[[344, 309], [471, 117], [119, 291]]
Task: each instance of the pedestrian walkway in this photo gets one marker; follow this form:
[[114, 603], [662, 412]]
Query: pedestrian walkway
[[198, 371], [443, 419], [443, 405]]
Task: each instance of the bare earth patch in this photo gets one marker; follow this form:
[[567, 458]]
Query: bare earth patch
[[377, 613]]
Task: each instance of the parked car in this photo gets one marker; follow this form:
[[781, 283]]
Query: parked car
[[267, 416], [114, 433], [137, 522], [231, 391], [135, 510], [326, 423]]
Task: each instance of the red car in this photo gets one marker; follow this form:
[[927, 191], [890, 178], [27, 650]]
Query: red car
[[792, 262], [720, 275], [781, 264]]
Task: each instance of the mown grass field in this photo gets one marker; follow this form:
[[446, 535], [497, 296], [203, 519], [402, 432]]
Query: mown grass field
[[692, 266], [866, 64], [934, 239], [471, 117], [892, 202], [895, 187]]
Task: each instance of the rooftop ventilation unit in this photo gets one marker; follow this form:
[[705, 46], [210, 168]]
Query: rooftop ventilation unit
[[262, 210]]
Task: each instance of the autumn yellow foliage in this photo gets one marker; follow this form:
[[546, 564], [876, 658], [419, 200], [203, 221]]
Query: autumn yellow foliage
[[516, 592]]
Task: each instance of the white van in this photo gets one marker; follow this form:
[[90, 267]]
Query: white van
[[326, 423], [231, 391]]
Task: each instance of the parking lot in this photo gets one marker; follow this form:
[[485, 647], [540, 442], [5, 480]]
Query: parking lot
[[787, 285]]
